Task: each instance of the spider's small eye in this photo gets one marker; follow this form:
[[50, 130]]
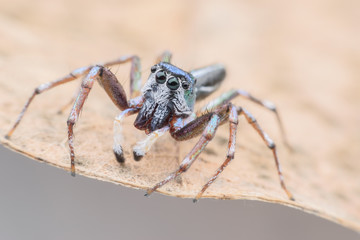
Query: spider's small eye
[[153, 68], [185, 85], [173, 83], [160, 77]]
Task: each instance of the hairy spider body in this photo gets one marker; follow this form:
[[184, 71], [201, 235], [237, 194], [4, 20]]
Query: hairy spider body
[[165, 104], [165, 96]]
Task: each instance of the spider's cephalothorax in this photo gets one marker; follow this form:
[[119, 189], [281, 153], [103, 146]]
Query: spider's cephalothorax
[[169, 91], [166, 104]]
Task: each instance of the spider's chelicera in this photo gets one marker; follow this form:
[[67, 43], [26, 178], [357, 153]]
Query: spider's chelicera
[[165, 104]]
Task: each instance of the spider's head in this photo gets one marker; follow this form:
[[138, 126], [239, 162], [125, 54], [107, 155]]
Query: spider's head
[[168, 91]]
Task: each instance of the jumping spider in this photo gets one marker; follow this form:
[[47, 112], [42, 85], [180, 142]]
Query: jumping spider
[[166, 104]]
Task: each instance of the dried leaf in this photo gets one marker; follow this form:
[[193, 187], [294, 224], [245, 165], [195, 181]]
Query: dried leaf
[[308, 66]]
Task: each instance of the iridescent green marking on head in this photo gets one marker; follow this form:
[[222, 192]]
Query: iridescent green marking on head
[[189, 95]]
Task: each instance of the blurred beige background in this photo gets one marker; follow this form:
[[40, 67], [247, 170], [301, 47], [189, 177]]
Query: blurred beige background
[[303, 55]]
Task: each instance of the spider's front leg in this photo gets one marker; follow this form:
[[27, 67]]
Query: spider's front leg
[[47, 86], [108, 81], [135, 84], [111, 86]]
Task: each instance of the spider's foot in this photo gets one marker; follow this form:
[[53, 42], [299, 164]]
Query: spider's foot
[[8, 135], [291, 197], [289, 194], [120, 157], [197, 197], [119, 154], [149, 192], [72, 170], [137, 155], [139, 152]]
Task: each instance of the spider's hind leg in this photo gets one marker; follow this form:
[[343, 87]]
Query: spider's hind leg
[[230, 95], [270, 144]]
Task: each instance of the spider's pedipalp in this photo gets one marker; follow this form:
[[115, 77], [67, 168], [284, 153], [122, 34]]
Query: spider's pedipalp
[[118, 137], [142, 147]]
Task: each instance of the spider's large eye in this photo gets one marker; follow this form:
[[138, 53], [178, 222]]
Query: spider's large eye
[[173, 83], [160, 77], [153, 69]]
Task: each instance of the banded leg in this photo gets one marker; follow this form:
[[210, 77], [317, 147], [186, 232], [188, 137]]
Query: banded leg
[[86, 86], [46, 86], [68, 104], [111, 86], [207, 135], [135, 82], [271, 145], [135, 72], [233, 122], [135, 77], [228, 96]]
